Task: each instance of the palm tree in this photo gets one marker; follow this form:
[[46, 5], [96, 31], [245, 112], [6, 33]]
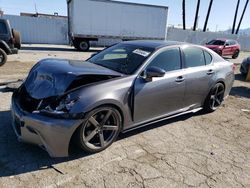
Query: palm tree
[[196, 15], [243, 13], [235, 16], [208, 14], [184, 14]]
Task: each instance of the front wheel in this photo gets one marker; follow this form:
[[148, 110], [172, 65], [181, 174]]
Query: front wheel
[[236, 54], [99, 129], [3, 57], [214, 98]]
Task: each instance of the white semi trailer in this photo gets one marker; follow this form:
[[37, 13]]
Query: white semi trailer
[[91, 20]]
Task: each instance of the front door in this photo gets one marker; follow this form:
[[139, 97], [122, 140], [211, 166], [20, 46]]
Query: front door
[[161, 96]]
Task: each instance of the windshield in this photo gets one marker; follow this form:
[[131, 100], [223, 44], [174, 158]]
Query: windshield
[[123, 58], [216, 42]]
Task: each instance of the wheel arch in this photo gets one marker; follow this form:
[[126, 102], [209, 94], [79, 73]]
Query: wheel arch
[[111, 104], [4, 46]]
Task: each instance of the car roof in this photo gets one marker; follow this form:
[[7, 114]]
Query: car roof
[[156, 44]]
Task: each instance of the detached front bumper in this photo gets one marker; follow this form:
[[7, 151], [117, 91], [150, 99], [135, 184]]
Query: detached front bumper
[[51, 134]]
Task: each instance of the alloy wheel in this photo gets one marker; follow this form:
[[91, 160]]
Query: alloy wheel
[[101, 129], [217, 96]]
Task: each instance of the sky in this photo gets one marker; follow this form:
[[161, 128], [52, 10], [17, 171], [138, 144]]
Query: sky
[[221, 17]]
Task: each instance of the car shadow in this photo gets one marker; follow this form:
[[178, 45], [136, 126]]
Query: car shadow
[[55, 49], [240, 77], [240, 91], [19, 158]]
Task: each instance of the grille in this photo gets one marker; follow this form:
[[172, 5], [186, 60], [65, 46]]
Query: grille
[[26, 102]]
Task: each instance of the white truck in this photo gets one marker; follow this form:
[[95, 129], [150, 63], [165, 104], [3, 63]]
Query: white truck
[[91, 20]]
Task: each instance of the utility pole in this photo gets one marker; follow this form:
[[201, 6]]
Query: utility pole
[[208, 14], [243, 13], [196, 15], [184, 14], [235, 16]]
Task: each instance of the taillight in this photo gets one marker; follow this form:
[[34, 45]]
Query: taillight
[[233, 66]]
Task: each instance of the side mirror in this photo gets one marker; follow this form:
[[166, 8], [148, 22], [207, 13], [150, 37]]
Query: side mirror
[[153, 72], [226, 44]]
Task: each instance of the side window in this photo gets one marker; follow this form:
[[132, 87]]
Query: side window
[[3, 28], [168, 60], [194, 57], [233, 42], [208, 57]]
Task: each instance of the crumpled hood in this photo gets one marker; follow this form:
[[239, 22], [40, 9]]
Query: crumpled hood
[[52, 77]]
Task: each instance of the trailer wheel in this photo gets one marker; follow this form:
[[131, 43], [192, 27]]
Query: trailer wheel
[[3, 57], [83, 45]]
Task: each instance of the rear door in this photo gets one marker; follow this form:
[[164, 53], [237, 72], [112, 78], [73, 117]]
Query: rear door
[[199, 75]]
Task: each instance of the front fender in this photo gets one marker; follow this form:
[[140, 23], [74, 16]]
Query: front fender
[[116, 93]]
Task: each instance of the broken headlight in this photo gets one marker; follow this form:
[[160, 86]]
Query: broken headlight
[[61, 109]]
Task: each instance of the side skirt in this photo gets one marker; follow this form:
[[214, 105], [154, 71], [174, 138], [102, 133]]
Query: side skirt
[[161, 119]]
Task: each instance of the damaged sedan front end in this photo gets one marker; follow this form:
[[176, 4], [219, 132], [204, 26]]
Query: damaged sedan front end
[[42, 106]]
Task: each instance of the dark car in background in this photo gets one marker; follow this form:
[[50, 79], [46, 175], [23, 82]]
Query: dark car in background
[[245, 65], [225, 47], [126, 86], [10, 41]]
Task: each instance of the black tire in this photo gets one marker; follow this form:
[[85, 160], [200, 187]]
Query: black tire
[[83, 45], [17, 37], [214, 98], [99, 129], [3, 57], [236, 54], [220, 53]]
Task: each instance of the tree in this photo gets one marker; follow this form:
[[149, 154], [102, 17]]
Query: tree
[[208, 14], [242, 16], [184, 14], [196, 15], [235, 16]]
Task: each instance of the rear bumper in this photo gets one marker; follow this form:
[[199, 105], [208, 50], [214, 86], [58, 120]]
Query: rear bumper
[[51, 134]]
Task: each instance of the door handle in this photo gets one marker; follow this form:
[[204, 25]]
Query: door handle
[[179, 79], [210, 72]]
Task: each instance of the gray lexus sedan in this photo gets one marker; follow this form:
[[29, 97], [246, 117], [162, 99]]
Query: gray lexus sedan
[[126, 86]]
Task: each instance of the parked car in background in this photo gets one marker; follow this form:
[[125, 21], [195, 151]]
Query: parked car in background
[[126, 86], [9, 41], [225, 47], [245, 65]]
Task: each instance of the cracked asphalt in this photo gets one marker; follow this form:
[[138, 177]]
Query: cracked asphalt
[[194, 150]]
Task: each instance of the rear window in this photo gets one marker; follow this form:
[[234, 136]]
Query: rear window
[[3, 28]]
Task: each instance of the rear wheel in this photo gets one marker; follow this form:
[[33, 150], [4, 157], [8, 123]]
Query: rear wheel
[[83, 45], [100, 129], [214, 98], [220, 52], [17, 37], [3, 57], [236, 54]]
